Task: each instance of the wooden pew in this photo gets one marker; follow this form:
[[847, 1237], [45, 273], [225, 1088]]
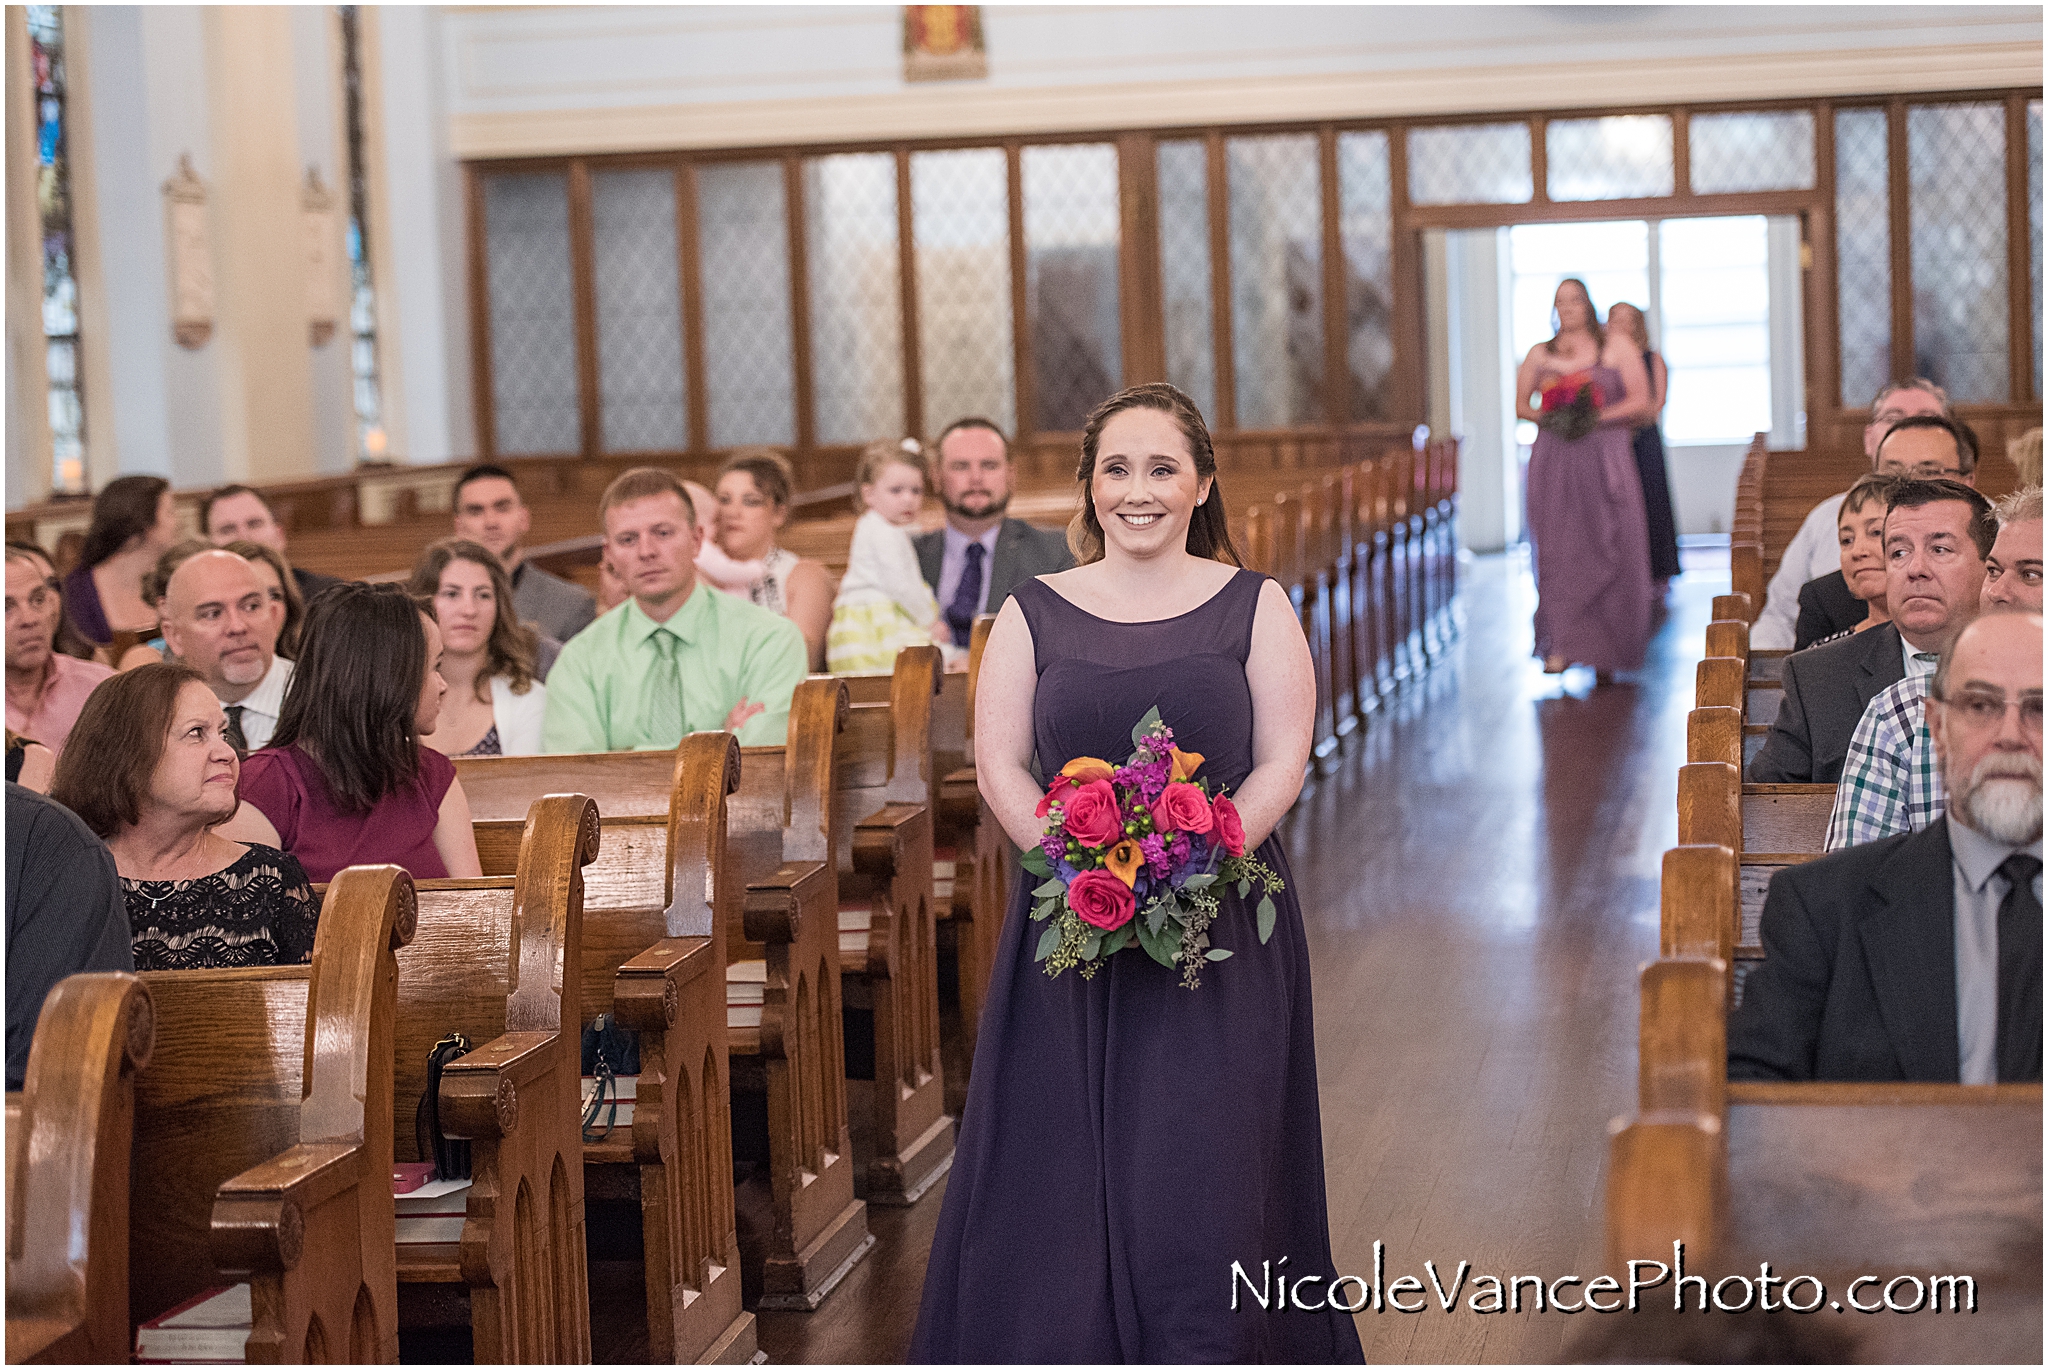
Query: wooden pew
[[888, 938], [783, 1019], [1770, 827], [493, 959], [263, 1136], [69, 1134]]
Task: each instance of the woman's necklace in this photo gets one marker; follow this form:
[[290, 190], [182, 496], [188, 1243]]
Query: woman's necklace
[[156, 899]]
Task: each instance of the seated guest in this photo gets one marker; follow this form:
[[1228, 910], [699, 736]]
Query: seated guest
[[1918, 957], [218, 621], [287, 607], [235, 513], [714, 567], [153, 582], [1936, 536], [1890, 783], [67, 640], [488, 510], [29, 764], [1850, 600], [974, 562], [495, 699], [1812, 551], [65, 914], [347, 779], [2024, 452], [45, 688], [133, 520], [754, 490], [883, 604], [152, 775], [677, 657]]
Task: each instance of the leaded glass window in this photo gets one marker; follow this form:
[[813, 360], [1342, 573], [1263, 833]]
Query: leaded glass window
[[1863, 253], [1366, 201], [1276, 279], [1072, 210], [743, 234], [1751, 150], [1955, 160], [362, 307], [853, 254], [1185, 270], [532, 302], [639, 311], [1620, 157], [2034, 228], [60, 281], [1470, 164], [960, 211]]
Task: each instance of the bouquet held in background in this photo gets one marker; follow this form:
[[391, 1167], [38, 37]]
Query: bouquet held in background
[[1571, 405], [1138, 855]]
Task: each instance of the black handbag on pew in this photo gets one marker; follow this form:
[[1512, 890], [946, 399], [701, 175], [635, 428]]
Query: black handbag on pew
[[609, 1051], [450, 1154]]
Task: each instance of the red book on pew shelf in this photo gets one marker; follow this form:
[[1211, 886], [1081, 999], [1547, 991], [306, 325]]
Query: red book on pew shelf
[[406, 1176], [212, 1326]]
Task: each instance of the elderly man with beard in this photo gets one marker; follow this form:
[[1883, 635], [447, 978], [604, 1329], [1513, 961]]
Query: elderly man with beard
[[1918, 957], [974, 562]]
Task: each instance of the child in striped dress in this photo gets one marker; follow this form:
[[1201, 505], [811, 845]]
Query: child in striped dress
[[884, 604]]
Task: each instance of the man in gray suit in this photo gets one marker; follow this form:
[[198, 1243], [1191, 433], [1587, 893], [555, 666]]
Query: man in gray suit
[[974, 562], [1937, 534], [488, 510]]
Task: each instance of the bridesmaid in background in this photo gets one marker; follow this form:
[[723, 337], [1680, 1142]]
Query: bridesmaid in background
[[1649, 444], [1593, 590]]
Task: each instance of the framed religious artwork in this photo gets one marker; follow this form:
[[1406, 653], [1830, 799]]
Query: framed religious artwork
[[943, 43]]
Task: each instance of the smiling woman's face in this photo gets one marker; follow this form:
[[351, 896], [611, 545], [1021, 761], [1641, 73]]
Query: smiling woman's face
[[1145, 489]]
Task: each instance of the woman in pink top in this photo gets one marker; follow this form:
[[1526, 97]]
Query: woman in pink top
[[346, 780]]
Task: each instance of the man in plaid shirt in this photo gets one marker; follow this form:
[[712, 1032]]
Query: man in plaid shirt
[[1891, 781]]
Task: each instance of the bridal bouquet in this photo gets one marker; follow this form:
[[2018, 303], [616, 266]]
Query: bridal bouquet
[[1571, 405], [1138, 854]]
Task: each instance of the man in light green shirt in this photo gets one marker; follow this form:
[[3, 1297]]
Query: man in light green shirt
[[678, 656]]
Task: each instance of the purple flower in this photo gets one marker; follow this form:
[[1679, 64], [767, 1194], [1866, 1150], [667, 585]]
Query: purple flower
[[1154, 848], [1053, 844], [1179, 850]]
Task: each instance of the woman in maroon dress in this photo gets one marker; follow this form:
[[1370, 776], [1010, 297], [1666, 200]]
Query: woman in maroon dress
[[1593, 592], [1127, 1140], [346, 780]]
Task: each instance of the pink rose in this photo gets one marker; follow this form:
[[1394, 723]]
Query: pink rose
[[1101, 900], [1182, 807], [1092, 817], [1229, 826], [1055, 793]]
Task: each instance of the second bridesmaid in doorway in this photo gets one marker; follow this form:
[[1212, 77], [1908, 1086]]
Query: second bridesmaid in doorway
[[1628, 320]]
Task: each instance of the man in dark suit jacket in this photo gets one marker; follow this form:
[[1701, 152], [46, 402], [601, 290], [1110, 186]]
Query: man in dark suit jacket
[[974, 562], [1918, 956], [236, 513], [1937, 534]]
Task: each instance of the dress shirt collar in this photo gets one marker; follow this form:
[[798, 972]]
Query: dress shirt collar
[[957, 541], [1978, 857], [1915, 666], [268, 696], [688, 623]]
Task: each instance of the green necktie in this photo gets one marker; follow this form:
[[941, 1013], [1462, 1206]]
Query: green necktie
[[662, 709]]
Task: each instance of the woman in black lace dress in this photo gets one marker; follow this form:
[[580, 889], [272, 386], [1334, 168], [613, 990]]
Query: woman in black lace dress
[[150, 771]]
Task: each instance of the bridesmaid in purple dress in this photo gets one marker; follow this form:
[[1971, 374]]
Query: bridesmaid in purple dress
[[1593, 592], [1126, 1140]]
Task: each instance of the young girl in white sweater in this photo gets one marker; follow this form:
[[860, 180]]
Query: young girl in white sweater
[[883, 604]]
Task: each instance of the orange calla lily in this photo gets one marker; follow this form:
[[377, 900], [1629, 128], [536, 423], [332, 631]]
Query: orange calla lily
[[1083, 769], [1124, 861], [1185, 764]]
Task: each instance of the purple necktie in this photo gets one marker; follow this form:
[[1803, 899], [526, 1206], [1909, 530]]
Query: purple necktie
[[967, 599]]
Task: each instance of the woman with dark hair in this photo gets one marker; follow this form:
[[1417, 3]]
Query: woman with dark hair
[[495, 699], [133, 521], [755, 487], [1124, 1139], [1648, 445], [150, 771], [280, 587], [1592, 552], [346, 779]]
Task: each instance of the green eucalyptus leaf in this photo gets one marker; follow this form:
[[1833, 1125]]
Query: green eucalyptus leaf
[[1267, 914], [1043, 911], [1198, 882], [1034, 861], [1244, 887], [1155, 916], [1162, 949], [1050, 887], [1047, 942], [1118, 940], [1091, 948], [1144, 725], [1219, 954]]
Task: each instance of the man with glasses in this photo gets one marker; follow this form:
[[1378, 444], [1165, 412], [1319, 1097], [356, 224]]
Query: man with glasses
[[1814, 550], [1918, 957], [1891, 782]]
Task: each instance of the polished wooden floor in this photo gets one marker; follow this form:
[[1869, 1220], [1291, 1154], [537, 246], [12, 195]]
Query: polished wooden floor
[[1479, 873]]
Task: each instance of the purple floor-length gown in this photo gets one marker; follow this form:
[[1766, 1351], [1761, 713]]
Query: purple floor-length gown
[[1126, 1139], [1593, 592]]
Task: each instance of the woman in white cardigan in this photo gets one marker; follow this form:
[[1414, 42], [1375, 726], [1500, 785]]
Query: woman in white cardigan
[[495, 699]]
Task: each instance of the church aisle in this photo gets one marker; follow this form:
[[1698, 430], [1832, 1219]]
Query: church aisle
[[1479, 876]]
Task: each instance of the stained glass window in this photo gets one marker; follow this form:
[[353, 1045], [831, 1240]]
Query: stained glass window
[[1620, 157], [639, 310], [856, 296], [1470, 164], [1751, 150], [60, 282], [1071, 231], [1184, 269], [1863, 253], [1276, 279], [2034, 227], [532, 299], [1955, 161], [960, 213], [362, 310], [1366, 200]]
